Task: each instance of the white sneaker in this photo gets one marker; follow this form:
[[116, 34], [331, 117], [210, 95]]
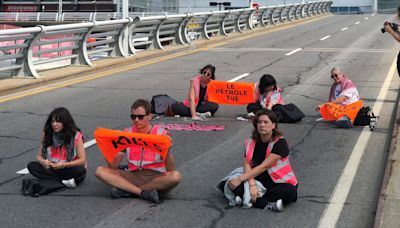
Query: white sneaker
[[238, 201], [250, 115], [204, 114], [69, 183], [275, 206]]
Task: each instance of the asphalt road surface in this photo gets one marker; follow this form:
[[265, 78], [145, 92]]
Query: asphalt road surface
[[339, 170]]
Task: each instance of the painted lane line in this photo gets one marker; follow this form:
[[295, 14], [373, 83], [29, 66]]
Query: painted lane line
[[358, 22], [372, 14], [344, 29], [340, 193], [294, 51], [324, 38], [239, 77], [366, 18], [89, 143]]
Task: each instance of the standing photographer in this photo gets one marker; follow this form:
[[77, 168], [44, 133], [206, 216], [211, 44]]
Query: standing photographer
[[393, 29]]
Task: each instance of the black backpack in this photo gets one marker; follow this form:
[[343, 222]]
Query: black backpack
[[37, 187], [364, 116], [289, 113], [160, 103]]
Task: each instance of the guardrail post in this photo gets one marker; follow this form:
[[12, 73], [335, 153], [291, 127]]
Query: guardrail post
[[38, 17], [281, 15], [250, 21], [130, 36], [264, 23], [83, 57], [302, 11], [118, 45], [288, 18], [180, 35], [204, 33], [156, 42], [237, 23], [184, 28], [222, 28], [27, 68]]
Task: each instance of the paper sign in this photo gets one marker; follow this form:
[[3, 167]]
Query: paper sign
[[231, 93], [111, 142]]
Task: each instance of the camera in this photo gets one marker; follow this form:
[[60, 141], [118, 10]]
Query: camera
[[394, 26]]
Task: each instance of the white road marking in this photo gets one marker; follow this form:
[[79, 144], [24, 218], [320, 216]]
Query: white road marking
[[89, 143], [239, 77], [294, 51], [338, 198], [23, 171], [345, 28], [324, 38], [358, 22], [86, 145], [366, 18], [372, 14]]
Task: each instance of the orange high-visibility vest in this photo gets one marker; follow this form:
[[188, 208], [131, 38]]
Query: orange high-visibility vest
[[142, 158], [196, 84], [281, 171], [59, 154]]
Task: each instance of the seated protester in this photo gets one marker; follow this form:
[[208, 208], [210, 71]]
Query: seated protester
[[268, 176], [147, 173], [61, 155], [343, 92], [197, 105], [267, 94]]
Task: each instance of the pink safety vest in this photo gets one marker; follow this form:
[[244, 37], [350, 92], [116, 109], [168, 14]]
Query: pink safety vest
[[196, 84], [59, 155], [269, 95], [143, 158], [281, 171]]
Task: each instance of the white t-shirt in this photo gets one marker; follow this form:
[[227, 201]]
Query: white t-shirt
[[351, 94]]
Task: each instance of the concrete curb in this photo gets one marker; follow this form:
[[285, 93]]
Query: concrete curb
[[386, 216]]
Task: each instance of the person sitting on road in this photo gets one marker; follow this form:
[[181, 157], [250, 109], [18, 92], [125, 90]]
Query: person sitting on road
[[147, 173], [267, 174], [343, 92], [267, 95], [61, 155], [197, 105]]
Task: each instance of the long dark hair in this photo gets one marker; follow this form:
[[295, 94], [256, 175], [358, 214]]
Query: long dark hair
[[265, 81], [212, 69], [69, 130], [271, 115]]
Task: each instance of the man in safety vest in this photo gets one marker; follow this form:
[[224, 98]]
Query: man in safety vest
[[147, 171]]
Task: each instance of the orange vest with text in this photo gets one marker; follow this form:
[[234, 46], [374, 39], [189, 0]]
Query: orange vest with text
[[281, 171], [143, 158]]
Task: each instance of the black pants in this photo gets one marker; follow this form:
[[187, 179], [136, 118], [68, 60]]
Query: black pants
[[254, 107], [182, 110], [398, 63], [286, 192], [37, 170]]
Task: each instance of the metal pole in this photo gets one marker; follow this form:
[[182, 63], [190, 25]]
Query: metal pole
[[59, 9], [125, 14]]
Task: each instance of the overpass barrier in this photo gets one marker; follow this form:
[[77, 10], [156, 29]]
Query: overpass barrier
[[24, 51]]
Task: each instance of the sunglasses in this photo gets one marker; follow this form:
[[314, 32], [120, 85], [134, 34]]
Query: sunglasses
[[334, 75], [140, 117]]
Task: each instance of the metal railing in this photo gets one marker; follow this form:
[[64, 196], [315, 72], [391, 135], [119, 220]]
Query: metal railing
[[71, 16], [23, 52]]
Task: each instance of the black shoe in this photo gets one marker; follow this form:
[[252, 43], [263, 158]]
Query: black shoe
[[150, 195], [118, 193]]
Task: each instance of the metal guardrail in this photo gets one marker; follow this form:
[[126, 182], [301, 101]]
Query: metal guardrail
[[25, 50], [71, 16]]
